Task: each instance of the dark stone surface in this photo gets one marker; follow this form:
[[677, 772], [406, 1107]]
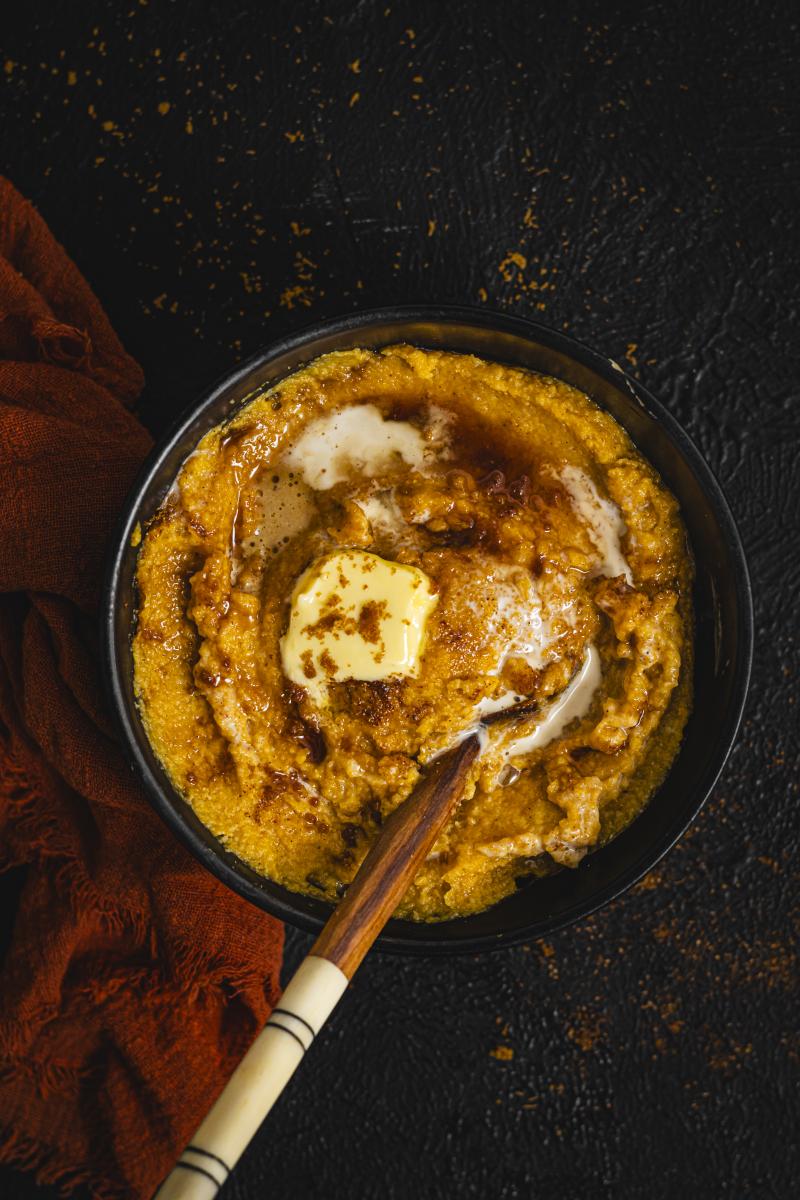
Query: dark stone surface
[[631, 178]]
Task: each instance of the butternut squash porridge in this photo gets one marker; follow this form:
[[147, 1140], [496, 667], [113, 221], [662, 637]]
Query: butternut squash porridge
[[372, 556]]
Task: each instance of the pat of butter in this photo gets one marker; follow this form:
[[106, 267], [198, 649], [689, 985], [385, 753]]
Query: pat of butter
[[355, 616]]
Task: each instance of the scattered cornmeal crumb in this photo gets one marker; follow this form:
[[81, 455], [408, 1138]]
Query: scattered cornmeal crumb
[[503, 1053]]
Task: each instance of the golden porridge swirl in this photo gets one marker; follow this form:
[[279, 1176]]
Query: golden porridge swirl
[[366, 561]]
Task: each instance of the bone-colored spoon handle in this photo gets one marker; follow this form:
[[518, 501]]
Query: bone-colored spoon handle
[[257, 1082]]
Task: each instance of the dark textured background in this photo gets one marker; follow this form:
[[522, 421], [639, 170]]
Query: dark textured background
[[225, 173]]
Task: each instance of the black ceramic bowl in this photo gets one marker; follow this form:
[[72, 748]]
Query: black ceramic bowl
[[723, 611]]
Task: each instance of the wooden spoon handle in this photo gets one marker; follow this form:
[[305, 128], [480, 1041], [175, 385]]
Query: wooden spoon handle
[[394, 860], [320, 980]]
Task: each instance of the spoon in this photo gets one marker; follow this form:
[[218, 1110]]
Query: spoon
[[322, 977]]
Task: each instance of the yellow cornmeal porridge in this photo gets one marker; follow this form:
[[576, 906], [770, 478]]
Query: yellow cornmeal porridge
[[366, 560]]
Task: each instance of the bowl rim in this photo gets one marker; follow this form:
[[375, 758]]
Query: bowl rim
[[364, 319]]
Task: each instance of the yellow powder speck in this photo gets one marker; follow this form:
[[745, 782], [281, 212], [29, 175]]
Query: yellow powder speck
[[136, 536], [431, 228], [189, 126], [9, 66], [297, 136], [587, 1031], [511, 260], [630, 353], [164, 107], [502, 1053], [108, 126], [483, 294], [72, 78], [291, 297], [299, 230], [354, 99], [355, 66]]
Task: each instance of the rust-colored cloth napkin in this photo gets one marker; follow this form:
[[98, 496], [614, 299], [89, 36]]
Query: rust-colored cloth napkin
[[134, 981]]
